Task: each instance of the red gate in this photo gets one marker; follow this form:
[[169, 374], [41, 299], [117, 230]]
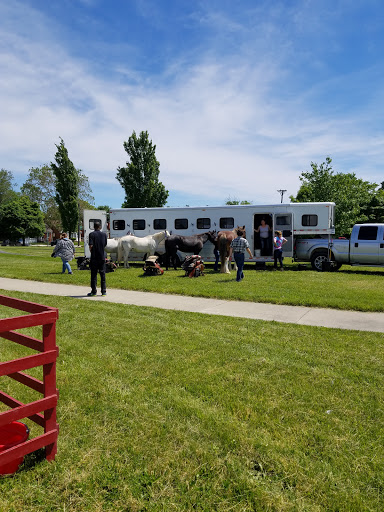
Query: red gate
[[42, 411]]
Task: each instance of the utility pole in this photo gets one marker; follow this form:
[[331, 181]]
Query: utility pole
[[281, 192]]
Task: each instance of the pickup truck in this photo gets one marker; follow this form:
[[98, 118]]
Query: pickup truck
[[364, 248]]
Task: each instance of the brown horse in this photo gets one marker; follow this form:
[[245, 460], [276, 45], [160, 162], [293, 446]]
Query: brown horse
[[224, 239]]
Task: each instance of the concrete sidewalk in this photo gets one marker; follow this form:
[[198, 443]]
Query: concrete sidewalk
[[333, 318]]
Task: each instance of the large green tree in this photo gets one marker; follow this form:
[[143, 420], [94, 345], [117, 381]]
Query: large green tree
[[21, 218], [351, 194], [140, 177], [7, 192], [67, 188], [40, 186]]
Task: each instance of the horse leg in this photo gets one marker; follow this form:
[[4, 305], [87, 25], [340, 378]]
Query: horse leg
[[174, 259], [126, 256]]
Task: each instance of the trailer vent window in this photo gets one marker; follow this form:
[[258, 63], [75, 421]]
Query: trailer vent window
[[309, 220], [367, 233], [92, 223], [119, 225], [227, 223], [160, 224], [282, 220], [138, 224], [181, 223], [203, 223]]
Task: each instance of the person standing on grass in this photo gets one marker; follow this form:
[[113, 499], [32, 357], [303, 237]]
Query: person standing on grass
[[97, 243], [238, 247], [278, 243], [65, 250]]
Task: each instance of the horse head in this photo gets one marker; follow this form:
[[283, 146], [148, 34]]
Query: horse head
[[212, 236]]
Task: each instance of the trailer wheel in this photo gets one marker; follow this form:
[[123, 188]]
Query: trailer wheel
[[318, 257]]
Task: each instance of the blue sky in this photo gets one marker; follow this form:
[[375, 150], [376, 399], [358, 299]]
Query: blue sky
[[238, 96]]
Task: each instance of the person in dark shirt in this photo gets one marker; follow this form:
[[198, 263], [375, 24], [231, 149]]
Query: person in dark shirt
[[97, 243]]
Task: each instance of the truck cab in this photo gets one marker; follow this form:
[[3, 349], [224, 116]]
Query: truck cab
[[366, 246]]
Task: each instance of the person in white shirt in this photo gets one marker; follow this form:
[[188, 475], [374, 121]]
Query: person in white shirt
[[264, 230]]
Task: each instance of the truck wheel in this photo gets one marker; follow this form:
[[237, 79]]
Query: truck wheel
[[317, 260]]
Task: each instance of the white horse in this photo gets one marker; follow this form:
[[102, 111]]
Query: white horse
[[147, 245], [112, 246]]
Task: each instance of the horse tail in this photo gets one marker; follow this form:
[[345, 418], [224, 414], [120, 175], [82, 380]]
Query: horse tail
[[222, 243]]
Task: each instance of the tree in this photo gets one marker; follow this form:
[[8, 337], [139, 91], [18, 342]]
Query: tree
[[21, 218], [6, 187], [40, 186], [67, 188], [140, 178], [230, 201], [351, 194]]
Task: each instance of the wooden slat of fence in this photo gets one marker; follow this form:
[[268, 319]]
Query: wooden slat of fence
[[25, 411], [30, 446], [21, 322], [24, 363], [12, 402], [24, 305], [22, 339], [29, 381]]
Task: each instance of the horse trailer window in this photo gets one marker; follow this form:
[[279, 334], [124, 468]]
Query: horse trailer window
[[282, 220], [203, 223], [227, 223], [181, 223], [160, 224], [309, 220], [119, 225], [92, 223], [367, 233], [139, 225]]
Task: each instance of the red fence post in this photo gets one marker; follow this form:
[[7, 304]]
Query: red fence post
[[49, 373]]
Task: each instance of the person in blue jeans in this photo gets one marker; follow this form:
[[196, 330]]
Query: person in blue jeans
[[238, 247], [278, 243], [65, 250]]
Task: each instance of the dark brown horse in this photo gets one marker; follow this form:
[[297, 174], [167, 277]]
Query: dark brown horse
[[191, 244], [224, 239]]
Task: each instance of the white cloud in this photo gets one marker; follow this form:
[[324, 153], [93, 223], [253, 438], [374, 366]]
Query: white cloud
[[221, 128]]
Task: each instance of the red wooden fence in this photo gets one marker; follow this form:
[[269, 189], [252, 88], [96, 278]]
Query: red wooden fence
[[42, 411]]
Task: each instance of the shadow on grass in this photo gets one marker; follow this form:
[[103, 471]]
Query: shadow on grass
[[32, 459]]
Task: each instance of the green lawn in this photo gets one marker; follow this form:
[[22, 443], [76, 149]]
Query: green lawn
[[350, 288], [174, 411]]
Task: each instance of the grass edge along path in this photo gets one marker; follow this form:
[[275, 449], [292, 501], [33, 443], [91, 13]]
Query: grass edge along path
[[163, 410]]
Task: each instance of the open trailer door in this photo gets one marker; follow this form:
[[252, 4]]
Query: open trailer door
[[284, 223], [90, 217]]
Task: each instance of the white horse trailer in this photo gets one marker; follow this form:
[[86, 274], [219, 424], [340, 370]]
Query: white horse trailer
[[292, 219]]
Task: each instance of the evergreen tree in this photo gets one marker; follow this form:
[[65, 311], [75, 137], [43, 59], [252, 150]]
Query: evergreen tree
[[140, 178], [67, 188]]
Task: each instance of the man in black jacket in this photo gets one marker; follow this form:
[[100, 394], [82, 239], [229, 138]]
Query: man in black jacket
[[97, 243]]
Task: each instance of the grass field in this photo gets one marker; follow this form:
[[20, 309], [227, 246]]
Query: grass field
[[173, 411], [350, 288]]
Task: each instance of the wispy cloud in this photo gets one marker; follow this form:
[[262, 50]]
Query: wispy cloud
[[236, 123]]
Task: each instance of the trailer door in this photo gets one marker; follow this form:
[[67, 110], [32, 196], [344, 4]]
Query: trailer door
[[90, 217], [284, 223]]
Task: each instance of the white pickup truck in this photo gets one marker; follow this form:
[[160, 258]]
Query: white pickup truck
[[364, 248]]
